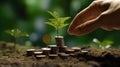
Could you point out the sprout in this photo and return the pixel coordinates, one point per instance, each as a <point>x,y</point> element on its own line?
<point>104,44</point>
<point>16,33</point>
<point>57,22</point>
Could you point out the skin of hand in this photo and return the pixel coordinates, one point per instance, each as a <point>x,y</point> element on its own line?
<point>103,14</point>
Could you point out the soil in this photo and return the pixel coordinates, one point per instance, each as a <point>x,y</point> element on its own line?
<point>105,58</point>
<point>87,57</point>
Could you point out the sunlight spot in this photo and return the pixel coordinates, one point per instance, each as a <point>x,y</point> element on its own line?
<point>46,39</point>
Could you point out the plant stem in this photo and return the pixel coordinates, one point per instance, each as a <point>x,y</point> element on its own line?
<point>15,42</point>
<point>57,32</point>
<point>57,29</point>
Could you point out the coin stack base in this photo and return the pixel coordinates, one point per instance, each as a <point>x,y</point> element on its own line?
<point>30,52</point>
<point>46,51</point>
<point>54,49</point>
<point>53,56</point>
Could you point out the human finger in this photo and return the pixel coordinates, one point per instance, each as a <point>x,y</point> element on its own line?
<point>89,13</point>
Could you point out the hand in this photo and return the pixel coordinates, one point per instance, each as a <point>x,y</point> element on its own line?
<point>103,14</point>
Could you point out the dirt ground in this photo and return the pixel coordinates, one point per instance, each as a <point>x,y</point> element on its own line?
<point>87,57</point>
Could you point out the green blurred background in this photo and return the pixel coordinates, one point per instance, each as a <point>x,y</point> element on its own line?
<point>30,16</point>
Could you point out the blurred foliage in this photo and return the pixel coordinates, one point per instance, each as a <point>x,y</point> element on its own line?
<point>17,33</point>
<point>104,44</point>
<point>30,16</point>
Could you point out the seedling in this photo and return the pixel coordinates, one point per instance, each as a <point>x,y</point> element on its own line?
<point>16,33</point>
<point>57,22</point>
<point>104,44</point>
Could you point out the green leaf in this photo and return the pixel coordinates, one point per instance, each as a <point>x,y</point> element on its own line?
<point>64,19</point>
<point>23,34</point>
<point>10,32</point>
<point>51,24</point>
<point>54,22</point>
<point>107,42</point>
<point>63,25</point>
<point>54,14</point>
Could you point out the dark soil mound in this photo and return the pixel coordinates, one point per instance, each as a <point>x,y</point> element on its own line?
<point>105,58</point>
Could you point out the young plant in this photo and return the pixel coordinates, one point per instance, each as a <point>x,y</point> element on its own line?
<point>104,44</point>
<point>57,22</point>
<point>16,33</point>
